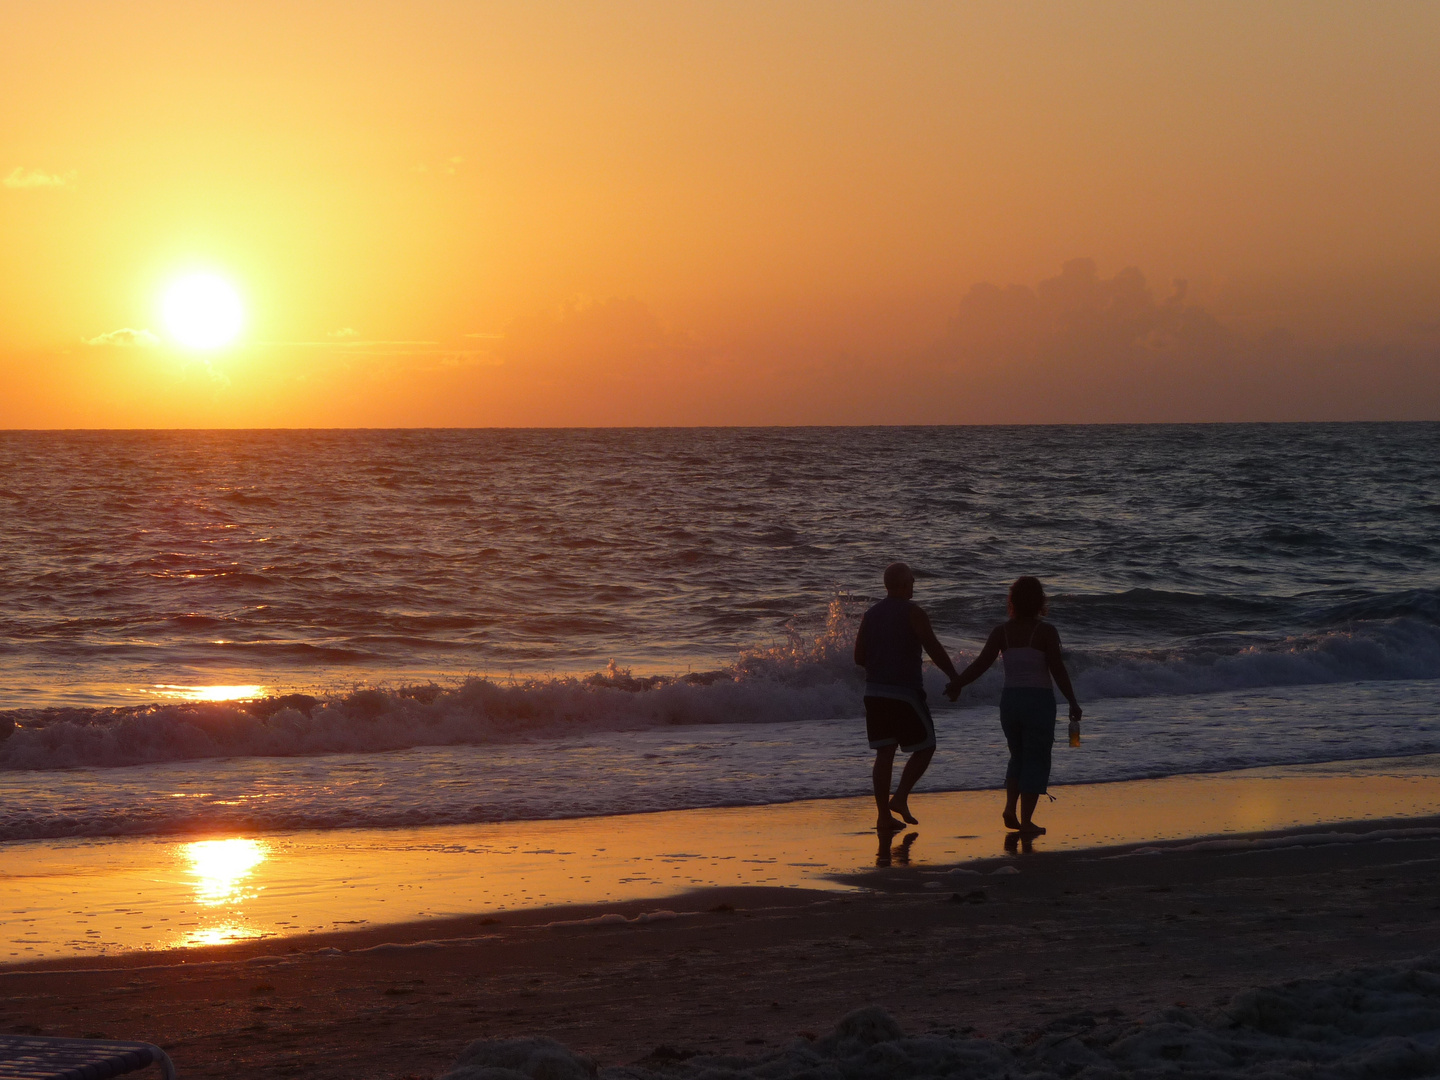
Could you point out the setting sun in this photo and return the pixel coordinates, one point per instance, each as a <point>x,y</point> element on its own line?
<point>203,311</point>
<point>784,538</point>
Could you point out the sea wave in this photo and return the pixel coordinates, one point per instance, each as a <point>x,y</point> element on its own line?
<point>805,677</point>
<point>1402,648</point>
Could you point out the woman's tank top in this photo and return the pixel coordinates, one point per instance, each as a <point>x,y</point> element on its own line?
<point>1025,665</point>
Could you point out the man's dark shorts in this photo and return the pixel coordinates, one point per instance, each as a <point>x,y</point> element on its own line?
<point>890,721</point>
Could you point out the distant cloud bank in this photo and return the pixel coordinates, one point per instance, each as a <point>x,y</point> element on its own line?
<point>1077,347</point>
<point>1082,347</point>
<point>20,177</point>
<point>1077,316</point>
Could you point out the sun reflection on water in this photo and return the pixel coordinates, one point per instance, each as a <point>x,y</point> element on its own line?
<point>239,692</point>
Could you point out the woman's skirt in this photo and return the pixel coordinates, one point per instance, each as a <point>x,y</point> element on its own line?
<point>1027,716</point>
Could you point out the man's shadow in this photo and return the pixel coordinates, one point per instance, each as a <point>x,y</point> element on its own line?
<point>894,854</point>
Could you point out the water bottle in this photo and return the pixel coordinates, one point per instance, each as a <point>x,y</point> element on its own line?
<point>1074,732</point>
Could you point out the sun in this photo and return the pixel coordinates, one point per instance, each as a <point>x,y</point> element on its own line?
<point>203,311</point>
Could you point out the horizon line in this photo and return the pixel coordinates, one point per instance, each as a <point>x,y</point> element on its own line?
<point>725,427</point>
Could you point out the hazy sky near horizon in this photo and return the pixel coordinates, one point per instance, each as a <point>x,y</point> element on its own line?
<point>446,213</point>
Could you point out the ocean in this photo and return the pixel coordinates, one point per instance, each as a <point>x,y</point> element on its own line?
<point>208,632</point>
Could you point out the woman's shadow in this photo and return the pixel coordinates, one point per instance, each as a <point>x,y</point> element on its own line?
<point>894,854</point>
<point>1018,841</point>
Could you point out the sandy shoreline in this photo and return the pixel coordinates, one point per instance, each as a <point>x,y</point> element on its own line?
<point>98,897</point>
<point>746,970</point>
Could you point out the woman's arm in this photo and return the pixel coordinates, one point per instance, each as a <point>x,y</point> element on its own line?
<point>981,663</point>
<point>1057,670</point>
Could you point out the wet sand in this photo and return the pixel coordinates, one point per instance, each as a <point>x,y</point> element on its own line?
<point>106,897</point>
<point>743,968</point>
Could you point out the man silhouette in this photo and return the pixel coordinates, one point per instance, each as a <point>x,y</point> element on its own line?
<point>888,646</point>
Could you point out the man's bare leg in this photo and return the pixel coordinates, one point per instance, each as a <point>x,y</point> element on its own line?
<point>884,763</point>
<point>1027,809</point>
<point>914,769</point>
<point>1012,795</point>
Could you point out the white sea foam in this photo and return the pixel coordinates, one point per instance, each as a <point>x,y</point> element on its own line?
<point>614,918</point>
<point>804,679</point>
<point>1374,1022</point>
<point>673,767</point>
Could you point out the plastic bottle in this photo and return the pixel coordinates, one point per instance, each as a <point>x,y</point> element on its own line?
<point>1074,732</point>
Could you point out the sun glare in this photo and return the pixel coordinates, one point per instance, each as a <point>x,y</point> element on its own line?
<point>220,867</point>
<point>245,692</point>
<point>203,311</point>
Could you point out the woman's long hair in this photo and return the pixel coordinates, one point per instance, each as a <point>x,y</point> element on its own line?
<point>1027,598</point>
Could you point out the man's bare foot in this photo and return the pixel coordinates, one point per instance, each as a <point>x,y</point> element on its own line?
<point>902,807</point>
<point>1029,828</point>
<point>1011,821</point>
<point>889,824</point>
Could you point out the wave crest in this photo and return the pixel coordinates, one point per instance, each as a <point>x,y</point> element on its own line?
<point>807,676</point>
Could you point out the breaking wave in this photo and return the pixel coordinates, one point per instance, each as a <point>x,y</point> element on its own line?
<point>805,677</point>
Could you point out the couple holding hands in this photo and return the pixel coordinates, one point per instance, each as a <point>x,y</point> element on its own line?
<point>892,635</point>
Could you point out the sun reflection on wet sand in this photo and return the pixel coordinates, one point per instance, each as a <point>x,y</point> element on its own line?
<point>220,868</point>
<point>220,872</point>
<point>223,934</point>
<point>70,898</point>
<point>237,692</point>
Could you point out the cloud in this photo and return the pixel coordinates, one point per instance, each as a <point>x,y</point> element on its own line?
<point>348,340</point>
<point>20,177</point>
<point>448,167</point>
<point>1077,317</point>
<point>588,340</point>
<point>1081,347</point>
<point>126,338</point>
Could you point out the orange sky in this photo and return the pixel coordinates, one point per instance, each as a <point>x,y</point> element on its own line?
<point>672,213</point>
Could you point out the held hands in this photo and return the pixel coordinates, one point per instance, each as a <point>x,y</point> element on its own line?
<point>952,690</point>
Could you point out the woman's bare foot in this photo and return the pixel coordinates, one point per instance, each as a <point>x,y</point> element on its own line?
<point>902,807</point>
<point>1011,821</point>
<point>1029,828</point>
<point>889,824</point>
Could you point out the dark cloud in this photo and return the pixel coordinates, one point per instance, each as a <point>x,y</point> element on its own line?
<point>1078,316</point>
<point>1079,347</point>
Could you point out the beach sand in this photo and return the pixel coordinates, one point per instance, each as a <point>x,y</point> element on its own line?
<point>1004,944</point>
<point>97,897</point>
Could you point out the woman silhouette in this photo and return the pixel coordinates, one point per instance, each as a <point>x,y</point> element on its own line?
<point>1031,649</point>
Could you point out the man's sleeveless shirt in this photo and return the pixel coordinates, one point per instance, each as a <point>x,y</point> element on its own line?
<point>892,650</point>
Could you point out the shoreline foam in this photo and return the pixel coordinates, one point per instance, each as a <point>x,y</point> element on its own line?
<point>697,766</point>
